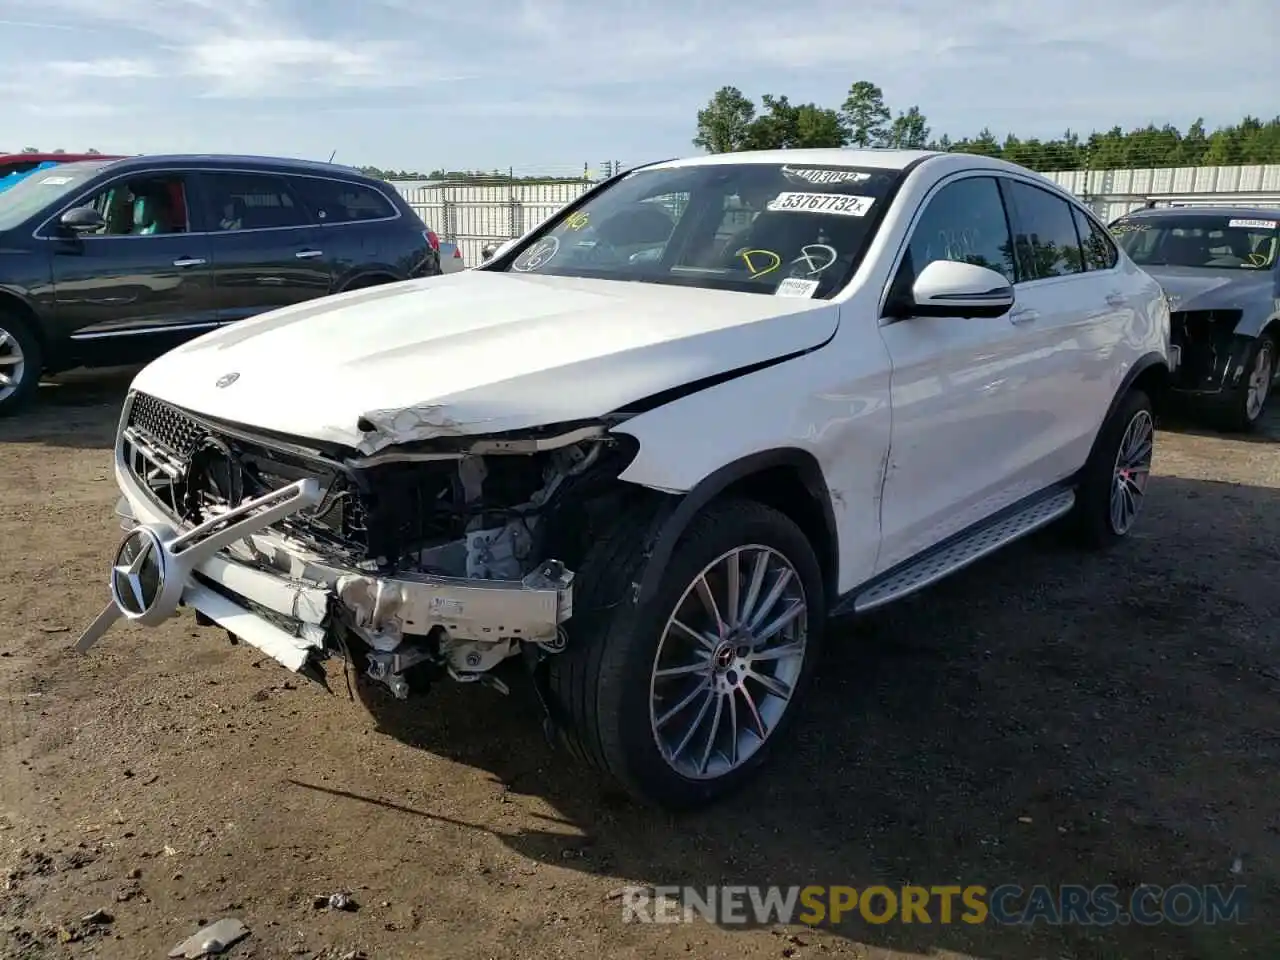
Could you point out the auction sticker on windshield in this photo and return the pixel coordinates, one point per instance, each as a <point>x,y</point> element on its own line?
<point>1254,224</point>
<point>825,176</point>
<point>846,205</point>
<point>796,287</point>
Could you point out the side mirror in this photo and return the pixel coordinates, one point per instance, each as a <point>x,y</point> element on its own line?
<point>82,220</point>
<point>946,288</point>
<point>495,249</point>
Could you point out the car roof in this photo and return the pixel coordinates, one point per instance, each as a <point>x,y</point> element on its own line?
<point>884,159</point>
<point>1243,213</point>
<point>941,162</point>
<point>873,158</point>
<point>234,162</point>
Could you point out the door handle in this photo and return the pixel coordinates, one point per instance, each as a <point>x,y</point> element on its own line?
<point>1115,300</point>
<point>1026,315</point>
<point>190,262</point>
<point>309,254</point>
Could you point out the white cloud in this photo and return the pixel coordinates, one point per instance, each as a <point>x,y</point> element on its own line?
<point>632,71</point>
<point>111,68</point>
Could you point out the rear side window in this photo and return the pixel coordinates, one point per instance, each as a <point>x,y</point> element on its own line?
<point>1099,251</point>
<point>1046,237</point>
<point>251,201</point>
<point>339,201</point>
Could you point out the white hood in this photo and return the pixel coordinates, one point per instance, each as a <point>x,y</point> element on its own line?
<point>473,353</point>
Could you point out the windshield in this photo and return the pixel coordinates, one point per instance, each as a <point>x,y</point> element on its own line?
<point>32,194</point>
<point>1200,240</point>
<point>759,228</point>
<point>13,174</point>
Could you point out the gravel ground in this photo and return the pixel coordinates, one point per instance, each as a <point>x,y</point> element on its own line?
<point>1044,717</point>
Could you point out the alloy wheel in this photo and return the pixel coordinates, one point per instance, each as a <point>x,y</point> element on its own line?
<point>728,662</point>
<point>1132,471</point>
<point>1259,382</point>
<point>13,364</point>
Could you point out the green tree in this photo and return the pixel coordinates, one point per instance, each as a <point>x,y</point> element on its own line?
<point>866,121</point>
<point>724,123</point>
<point>909,130</point>
<point>783,125</point>
<point>819,127</point>
<point>776,127</point>
<point>865,115</point>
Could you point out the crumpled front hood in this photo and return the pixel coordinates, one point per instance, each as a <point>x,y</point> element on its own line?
<point>1198,288</point>
<point>473,353</point>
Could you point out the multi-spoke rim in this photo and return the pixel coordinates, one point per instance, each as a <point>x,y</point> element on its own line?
<point>12,363</point>
<point>1132,471</point>
<point>728,662</point>
<point>1259,382</point>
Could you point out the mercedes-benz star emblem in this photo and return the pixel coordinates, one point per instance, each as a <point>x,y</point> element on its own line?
<point>137,577</point>
<point>226,380</point>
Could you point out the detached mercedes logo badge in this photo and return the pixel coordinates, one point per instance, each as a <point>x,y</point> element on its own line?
<point>226,380</point>
<point>137,576</point>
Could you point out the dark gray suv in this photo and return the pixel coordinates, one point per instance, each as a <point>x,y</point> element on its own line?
<point>108,262</point>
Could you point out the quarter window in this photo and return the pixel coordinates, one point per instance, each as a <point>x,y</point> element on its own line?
<point>250,201</point>
<point>334,201</point>
<point>965,222</point>
<point>1099,251</point>
<point>1047,242</point>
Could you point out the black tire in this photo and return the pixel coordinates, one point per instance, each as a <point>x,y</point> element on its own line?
<point>17,330</point>
<point>601,682</point>
<point>1232,412</point>
<point>1091,518</point>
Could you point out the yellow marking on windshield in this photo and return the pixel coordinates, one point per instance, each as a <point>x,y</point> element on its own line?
<point>774,262</point>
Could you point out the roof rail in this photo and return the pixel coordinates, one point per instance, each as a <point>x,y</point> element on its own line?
<point>1244,199</point>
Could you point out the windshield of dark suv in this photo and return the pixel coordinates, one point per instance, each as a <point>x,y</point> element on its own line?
<point>793,229</point>
<point>44,188</point>
<point>1200,240</point>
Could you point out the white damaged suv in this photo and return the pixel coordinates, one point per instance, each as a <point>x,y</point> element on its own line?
<point>648,448</point>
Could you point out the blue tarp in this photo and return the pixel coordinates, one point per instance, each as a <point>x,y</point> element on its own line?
<point>14,178</point>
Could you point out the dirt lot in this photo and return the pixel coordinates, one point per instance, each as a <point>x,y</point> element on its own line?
<point>1045,717</point>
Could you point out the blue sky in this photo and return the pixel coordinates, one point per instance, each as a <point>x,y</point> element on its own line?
<point>551,84</point>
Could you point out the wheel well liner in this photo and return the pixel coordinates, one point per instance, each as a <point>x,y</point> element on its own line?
<point>787,479</point>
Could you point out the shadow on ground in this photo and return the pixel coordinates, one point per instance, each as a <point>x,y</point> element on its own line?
<point>79,409</point>
<point>1045,717</point>
<point>1185,421</point>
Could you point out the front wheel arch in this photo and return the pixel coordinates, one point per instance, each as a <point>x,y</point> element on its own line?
<point>786,478</point>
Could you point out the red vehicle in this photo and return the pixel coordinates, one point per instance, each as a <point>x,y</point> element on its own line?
<point>17,166</point>
<point>22,162</point>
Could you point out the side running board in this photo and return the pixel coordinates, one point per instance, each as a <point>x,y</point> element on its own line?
<point>956,554</point>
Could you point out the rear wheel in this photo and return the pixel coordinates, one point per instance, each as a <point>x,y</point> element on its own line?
<point>20,363</point>
<point>684,697</point>
<point>1113,486</point>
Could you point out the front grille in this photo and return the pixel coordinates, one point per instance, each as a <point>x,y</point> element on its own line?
<point>1203,338</point>
<point>166,424</point>
<point>184,464</point>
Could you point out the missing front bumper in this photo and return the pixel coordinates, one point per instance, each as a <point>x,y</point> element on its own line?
<point>158,569</point>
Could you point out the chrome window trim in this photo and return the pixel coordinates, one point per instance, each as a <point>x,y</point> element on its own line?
<point>38,234</point>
